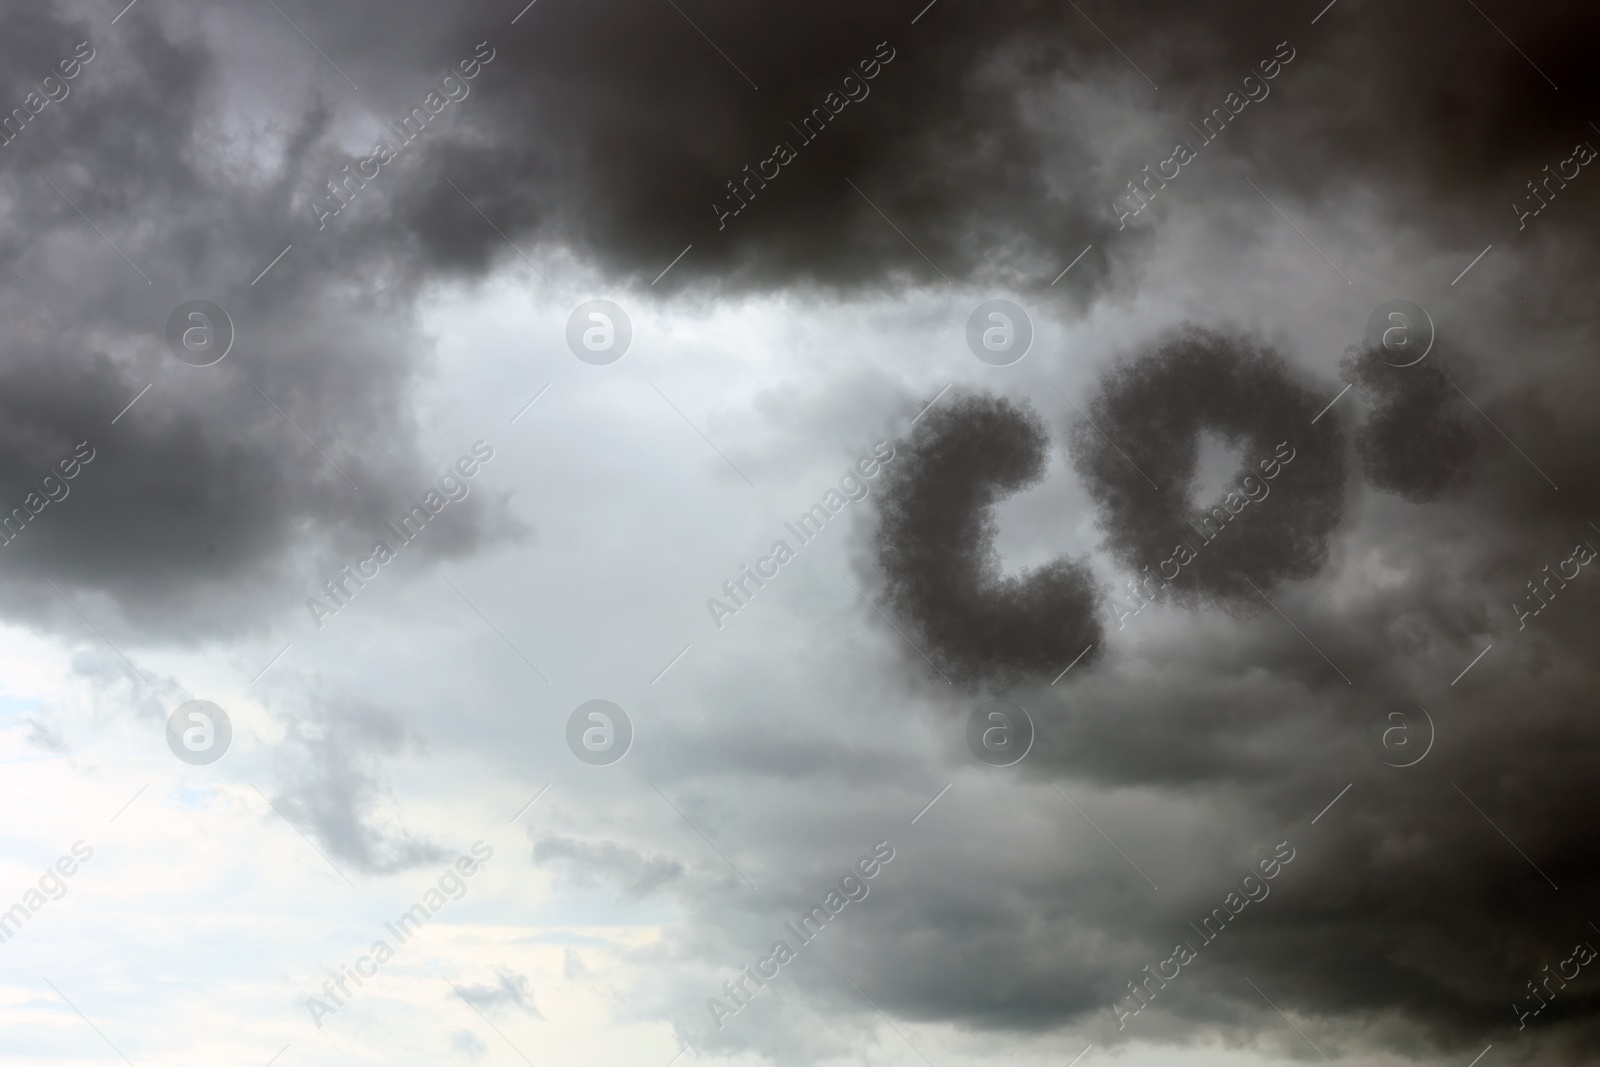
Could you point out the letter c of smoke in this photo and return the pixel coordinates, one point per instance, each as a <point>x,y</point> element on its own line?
<point>936,548</point>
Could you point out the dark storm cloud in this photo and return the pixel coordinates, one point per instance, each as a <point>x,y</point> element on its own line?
<point>1411,923</point>
<point>620,135</point>
<point>1456,110</point>
<point>936,548</point>
<point>213,482</point>
<point>1407,921</point>
<point>1250,714</point>
<point>611,135</point>
<point>1409,901</point>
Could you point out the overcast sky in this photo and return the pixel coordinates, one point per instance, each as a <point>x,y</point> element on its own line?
<point>1091,504</point>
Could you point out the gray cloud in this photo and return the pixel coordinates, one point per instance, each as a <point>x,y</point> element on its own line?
<point>468,1044</point>
<point>634,874</point>
<point>331,767</point>
<point>511,991</point>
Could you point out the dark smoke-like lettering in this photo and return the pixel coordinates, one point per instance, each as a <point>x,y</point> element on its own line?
<point>1273,524</point>
<point>1415,442</point>
<point>936,547</point>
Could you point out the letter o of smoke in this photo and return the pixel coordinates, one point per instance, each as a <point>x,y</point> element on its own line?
<point>1412,443</point>
<point>1154,409</point>
<point>935,545</point>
